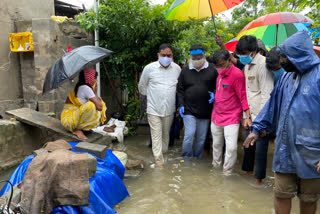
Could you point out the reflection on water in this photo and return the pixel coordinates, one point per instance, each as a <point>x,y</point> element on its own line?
<point>192,186</point>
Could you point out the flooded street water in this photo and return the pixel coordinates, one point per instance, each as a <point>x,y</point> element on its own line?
<point>192,187</point>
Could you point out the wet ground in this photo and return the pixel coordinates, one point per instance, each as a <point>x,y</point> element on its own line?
<point>192,187</point>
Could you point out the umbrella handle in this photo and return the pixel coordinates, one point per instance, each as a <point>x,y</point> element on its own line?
<point>214,23</point>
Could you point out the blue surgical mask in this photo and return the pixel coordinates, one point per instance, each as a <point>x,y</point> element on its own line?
<point>165,61</point>
<point>277,74</point>
<point>245,60</point>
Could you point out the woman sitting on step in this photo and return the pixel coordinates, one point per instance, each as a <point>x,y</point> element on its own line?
<point>83,109</point>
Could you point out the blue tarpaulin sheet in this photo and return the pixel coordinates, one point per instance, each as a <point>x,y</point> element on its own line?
<point>106,186</point>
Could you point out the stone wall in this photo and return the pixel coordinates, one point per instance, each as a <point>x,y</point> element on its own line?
<point>50,38</point>
<point>11,92</point>
<point>22,85</point>
<point>18,141</point>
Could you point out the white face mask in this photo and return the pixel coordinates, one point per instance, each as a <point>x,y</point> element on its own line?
<point>165,61</point>
<point>197,63</point>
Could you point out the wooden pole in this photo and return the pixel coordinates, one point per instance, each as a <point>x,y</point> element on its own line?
<point>114,90</point>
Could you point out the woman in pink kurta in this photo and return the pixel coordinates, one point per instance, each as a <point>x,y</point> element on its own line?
<point>229,105</point>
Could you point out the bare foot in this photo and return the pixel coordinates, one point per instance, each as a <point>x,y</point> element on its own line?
<point>108,129</point>
<point>159,164</point>
<point>80,134</point>
<point>250,173</point>
<point>258,182</point>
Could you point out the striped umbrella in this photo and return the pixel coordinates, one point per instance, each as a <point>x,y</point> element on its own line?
<point>275,28</point>
<point>231,45</point>
<point>184,10</point>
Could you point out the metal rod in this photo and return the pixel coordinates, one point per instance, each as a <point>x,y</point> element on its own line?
<point>96,43</point>
<point>276,35</point>
<point>212,16</point>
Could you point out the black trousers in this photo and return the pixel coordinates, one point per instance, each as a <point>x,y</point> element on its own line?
<point>256,154</point>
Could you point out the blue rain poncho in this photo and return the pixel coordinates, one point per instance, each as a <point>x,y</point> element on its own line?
<point>293,110</point>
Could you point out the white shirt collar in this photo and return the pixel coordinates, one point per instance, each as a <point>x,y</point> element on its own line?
<point>206,65</point>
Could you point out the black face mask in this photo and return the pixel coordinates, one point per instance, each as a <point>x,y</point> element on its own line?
<point>289,67</point>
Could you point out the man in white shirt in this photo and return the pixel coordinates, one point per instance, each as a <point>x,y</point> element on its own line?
<point>158,82</point>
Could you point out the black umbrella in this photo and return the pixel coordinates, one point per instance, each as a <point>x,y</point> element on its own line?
<point>71,63</point>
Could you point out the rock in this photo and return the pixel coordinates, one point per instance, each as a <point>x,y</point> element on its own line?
<point>134,164</point>
<point>98,150</point>
<point>92,161</point>
<point>39,151</point>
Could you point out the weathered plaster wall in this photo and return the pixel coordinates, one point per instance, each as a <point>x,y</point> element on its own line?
<point>50,39</point>
<point>10,81</point>
<point>11,92</point>
<point>19,140</point>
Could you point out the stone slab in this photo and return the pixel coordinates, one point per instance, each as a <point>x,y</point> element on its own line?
<point>41,120</point>
<point>92,165</point>
<point>104,140</point>
<point>134,164</point>
<point>39,151</point>
<point>98,150</point>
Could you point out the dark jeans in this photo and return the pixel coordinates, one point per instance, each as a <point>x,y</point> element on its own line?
<point>175,130</point>
<point>258,153</point>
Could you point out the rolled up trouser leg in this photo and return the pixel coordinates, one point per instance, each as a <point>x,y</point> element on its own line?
<point>231,137</point>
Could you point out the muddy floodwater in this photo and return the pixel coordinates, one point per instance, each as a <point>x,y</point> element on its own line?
<point>193,187</point>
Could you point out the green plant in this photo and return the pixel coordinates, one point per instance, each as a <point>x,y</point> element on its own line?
<point>134,30</point>
<point>133,113</point>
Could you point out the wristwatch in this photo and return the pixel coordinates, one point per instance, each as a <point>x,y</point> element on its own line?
<point>245,118</point>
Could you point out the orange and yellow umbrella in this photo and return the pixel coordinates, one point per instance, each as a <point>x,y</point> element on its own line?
<point>184,10</point>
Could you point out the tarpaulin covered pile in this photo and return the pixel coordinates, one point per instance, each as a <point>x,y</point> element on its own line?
<point>106,186</point>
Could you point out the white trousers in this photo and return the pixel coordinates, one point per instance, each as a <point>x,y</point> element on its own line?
<point>160,129</point>
<point>229,135</point>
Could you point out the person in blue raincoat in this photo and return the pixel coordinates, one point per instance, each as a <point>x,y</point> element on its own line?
<point>293,110</point>
<point>273,64</point>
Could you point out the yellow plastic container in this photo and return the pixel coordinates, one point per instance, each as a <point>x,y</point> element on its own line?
<point>21,42</point>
